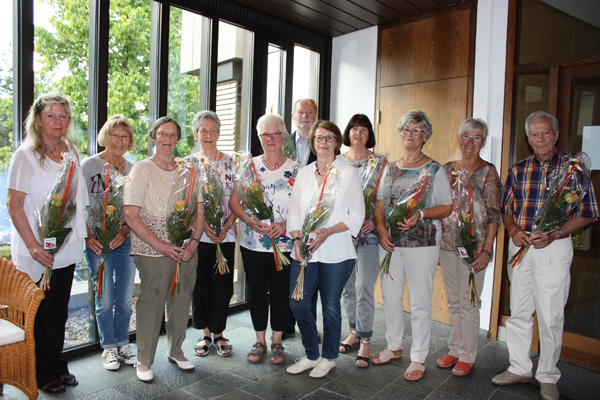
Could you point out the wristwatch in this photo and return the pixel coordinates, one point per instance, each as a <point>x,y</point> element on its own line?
<point>196,240</point>
<point>294,239</point>
<point>561,232</point>
<point>484,251</point>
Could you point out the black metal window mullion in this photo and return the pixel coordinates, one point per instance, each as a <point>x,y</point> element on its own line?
<point>23,46</point>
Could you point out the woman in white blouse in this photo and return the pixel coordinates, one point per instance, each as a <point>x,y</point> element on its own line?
<point>333,252</point>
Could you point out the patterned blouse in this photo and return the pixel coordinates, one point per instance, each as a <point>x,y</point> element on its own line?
<point>486,190</point>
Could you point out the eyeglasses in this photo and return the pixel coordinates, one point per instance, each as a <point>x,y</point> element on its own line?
<point>124,138</point>
<point>171,135</point>
<point>272,135</point>
<point>329,139</point>
<point>204,131</point>
<point>415,131</point>
<point>466,137</point>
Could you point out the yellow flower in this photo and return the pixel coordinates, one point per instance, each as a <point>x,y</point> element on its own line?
<point>412,203</point>
<point>465,217</point>
<point>368,193</point>
<point>180,205</point>
<point>57,200</point>
<point>110,210</point>
<point>316,213</point>
<point>572,197</point>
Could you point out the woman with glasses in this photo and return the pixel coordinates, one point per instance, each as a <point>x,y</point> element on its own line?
<point>482,182</point>
<point>146,210</point>
<point>265,283</point>
<point>113,308</point>
<point>359,292</point>
<point>415,254</point>
<point>333,255</point>
<point>213,291</point>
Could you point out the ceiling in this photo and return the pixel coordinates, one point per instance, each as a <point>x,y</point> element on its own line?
<point>337,17</point>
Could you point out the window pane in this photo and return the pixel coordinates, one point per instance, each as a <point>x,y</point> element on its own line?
<point>61,63</point>
<point>275,80</point>
<point>129,69</point>
<point>6,122</point>
<point>306,75</point>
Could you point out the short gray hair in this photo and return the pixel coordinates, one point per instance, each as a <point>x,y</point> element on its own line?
<point>202,116</point>
<point>473,124</point>
<point>162,121</point>
<point>418,117</point>
<point>306,99</point>
<point>271,119</point>
<point>541,114</point>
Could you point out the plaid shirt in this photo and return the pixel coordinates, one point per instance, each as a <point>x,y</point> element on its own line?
<point>523,192</point>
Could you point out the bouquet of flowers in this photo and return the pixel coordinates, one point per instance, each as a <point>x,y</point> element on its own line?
<point>57,211</point>
<point>565,190</point>
<point>413,195</point>
<point>214,196</point>
<point>369,179</point>
<point>319,210</point>
<point>184,203</point>
<point>255,203</point>
<point>468,246</point>
<point>288,149</point>
<point>106,223</point>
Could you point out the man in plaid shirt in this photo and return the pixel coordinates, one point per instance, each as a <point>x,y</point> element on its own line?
<point>541,283</point>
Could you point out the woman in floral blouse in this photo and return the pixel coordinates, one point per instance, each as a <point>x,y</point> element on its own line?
<point>480,183</point>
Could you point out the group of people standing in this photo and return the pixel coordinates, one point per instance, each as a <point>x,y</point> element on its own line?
<point>344,254</point>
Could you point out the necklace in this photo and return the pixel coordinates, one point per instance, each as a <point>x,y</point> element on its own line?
<point>317,167</point>
<point>272,167</point>
<point>411,162</point>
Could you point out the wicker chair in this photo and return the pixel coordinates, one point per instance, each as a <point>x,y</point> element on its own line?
<point>19,302</point>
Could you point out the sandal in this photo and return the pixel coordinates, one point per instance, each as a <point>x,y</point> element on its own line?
<point>345,348</point>
<point>277,352</point>
<point>221,349</point>
<point>205,349</point>
<point>413,367</point>
<point>447,361</point>
<point>54,388</point>
<point>70,380</point>
<point>256,353</point>
<point>385,357</point>
<point>363,362</point>
<point>462,366</point>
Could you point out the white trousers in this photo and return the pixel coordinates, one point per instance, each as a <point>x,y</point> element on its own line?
<point>541,283</point>
<point>463,316</point>
<point>418,266</point>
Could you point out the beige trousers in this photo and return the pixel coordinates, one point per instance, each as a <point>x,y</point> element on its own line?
<point>156,276</point>
<point>463,316</point>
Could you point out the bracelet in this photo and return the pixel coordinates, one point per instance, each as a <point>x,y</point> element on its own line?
<point>197,241</point>
<point>294,239</point>
<point>421,211</point>
<point>484,251</point>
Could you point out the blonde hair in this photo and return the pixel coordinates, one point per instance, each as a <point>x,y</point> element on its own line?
<point>34,132</point>
<point>116,121</point>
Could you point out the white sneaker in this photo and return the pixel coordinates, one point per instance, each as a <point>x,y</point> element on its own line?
<point>322,369</point>
<point>110,360</point>
<point>302,364</point>
<point>126,354</point>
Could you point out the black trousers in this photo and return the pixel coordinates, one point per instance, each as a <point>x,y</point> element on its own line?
<point>263,280</point>
<point>213,291</point>
<point>49,327</point>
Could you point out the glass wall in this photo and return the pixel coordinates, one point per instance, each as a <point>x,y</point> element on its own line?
<point>306,76</point>
<point>275,80</point>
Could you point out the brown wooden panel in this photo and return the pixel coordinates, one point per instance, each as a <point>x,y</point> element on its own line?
<point>581,350</point>
<point>430,49</point>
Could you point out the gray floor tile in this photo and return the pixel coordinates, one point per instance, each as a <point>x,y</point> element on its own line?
<point>476,386</point>
<point>437,395</point>
<point>239,395</point>
<point>322,394</point>
<point>216,385</point>
<point>179,394</point>
<point>362,383</point>
<point>282,385</point>
<point>517,391</point>
<point>396,393</point>
<point>106,394</point>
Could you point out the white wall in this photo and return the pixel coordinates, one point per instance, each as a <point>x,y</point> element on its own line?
<point>353,79</point>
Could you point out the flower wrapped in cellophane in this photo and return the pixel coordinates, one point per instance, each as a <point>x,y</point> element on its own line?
<point>370,178</point>
<point>287,149</point>
<point>319,210</point>
<point>214,197</point>
<point>252,198</point>
<point>565,190</point>
<point>57,211</point>
<point>412,197</point>
<point>468,247</point>
<point>107,220</point>
<point>183,203</point>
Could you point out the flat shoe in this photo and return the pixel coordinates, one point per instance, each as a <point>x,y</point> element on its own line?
<point>221,349</point>
<point>144,376</point>
<point>385,357</point>
<point>464,367</point>
<point>415,366</point>
<point>54,388</point>
<point>205,349</point>
<point>258,350</point>
<point>184,365</point>
<point>509,378</point>
<point>70,380</point>
<point>447,361</point>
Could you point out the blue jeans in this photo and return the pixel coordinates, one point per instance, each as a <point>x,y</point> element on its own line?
<point>113,309</point>
<point>330,280</point>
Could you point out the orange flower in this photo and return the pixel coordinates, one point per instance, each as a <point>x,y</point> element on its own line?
<point>180,205</point>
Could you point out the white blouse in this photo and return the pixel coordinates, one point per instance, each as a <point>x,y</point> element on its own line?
<point>349,208</point>
<point>26,175</point>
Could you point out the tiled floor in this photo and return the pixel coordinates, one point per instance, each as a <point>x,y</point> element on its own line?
<point>235,378</point>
